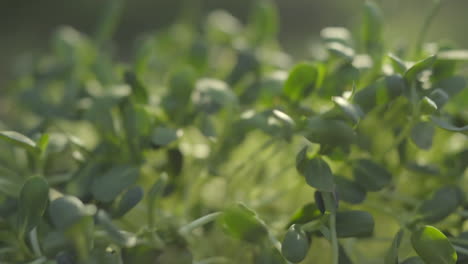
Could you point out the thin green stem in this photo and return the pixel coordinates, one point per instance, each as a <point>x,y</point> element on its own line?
<point>404,134</point>
<point>330,206</point>
<point>312,226</point>
<point>109,22</point>
<point>185,230</point>
<point>334,239</point>
<point>425,28</point>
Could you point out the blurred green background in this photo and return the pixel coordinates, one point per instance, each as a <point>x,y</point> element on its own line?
<point>26,25</point>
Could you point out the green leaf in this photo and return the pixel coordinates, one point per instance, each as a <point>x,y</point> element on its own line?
<point>295,244</point>
<point>108,186</point>
<point>334,133</point>
<point>392,254</point>
<point>242,223</point>
<point>413,260</point>
<point>210,95</point>
<point>317,174</point>
<point>398,64</point>
<point>439,97</point>
<point>349,191</point>
<point>452,86</point>
<point>418,67</point>
<point>372,27</point>
<point>354,224</point>
<point>264,22</point>
<point>33,201</point>
<point>380,92</point>
<point>353,111</point>
<point>301,81</point>
<point>448,126</point>
<point>422,134</point>
<point>340,50</point>
<point>443,203</point>
<point>163,136</point>
<point>129,200</point>
<point>305,214</point>
<point>19,140</point>
<point>433,246</point>
<point>43,142</point>
<point>370,175</point>
<point>68,210</point>
<point>427,106</point>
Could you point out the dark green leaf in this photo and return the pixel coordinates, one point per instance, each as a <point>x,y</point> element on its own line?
<point>422,134</point>
<point>108,186</point>
<point>448,126</point>
<point>452,86</point>
<point>67,210</point>
<point>443,203</point>
<point>329,132</point>
<point>242,223</point>
<point>392,253</point>
<point>129,200</point>
<point>439,97</point>
<point>433,246</point>
<point>370,175</point>
<point>420,66</point>
<point>295,244</point>
<point>33,201</point>
<point>318,198</point>
<point>354,224</point>
<point>19,140</point>
<point>349,191</point>
<point>301,81</point>
<point>163,136</point>
<point>353,111</point>
<point>317,174</point>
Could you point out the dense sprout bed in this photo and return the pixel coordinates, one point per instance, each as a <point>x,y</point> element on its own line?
<point>213,146</point>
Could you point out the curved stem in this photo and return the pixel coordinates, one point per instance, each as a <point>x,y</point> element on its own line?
<point>185,230</point>
<point>425,28</point>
